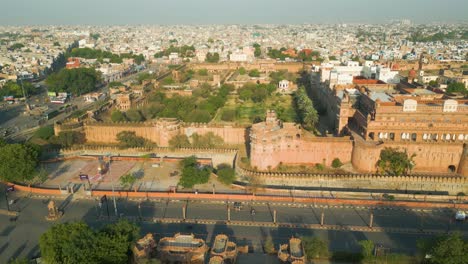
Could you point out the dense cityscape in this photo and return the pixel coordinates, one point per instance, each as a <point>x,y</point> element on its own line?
<point>240,143</point>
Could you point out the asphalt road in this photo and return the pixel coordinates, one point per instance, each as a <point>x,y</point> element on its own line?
<point>20,238</point>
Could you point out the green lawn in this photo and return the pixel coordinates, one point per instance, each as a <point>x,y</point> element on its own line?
<point>247,111</point>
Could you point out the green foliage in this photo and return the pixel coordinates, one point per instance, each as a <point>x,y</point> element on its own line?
<point>134,115</point>
<point>208,140</point>
<point>229,115</point>
<point>44,132</point>
<point>95,36</point>
<point>305,109</point>
<point>254,73</point>
<point>319,166</point>
<point>395,162</point>
<point>144,76</point>
<point>118,116</point>
<point>127,180</point>
<point>188,109</point>
<point>128,139</point>
<point>226,174</point>
<point>76,81</point>
<point>457,87</point>
<point>242,71</point>
<point>332,57</point>
<point>16,46</point>
<point>446,249</point>
<point>278,54</point>
<point>258,50</point>
<point>78,243</point>
<point>315,247</point>
<point>180,141</point>
<point>203,72</point>
<point>367,248</point>
<point>100,55</point>
<point>192,173</point>
<point>433,83</point>
<point>419,36</point>
<point>312,56</point>
<point>19,261</point>
<point>255,92</point>
<point>277,76</point>
<point>18,162</point>
<point>14,88</point>
<point>183,51</point>
<point>56,44</point>
<point>336,163</point>
<point>115,84</point>
<point>212,57</point>
<point>269,246</point>
<point>67,139</point>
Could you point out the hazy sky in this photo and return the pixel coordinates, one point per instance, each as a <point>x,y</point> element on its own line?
<point>97,12</point>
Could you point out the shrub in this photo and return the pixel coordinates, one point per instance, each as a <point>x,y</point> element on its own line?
<point>336,163</point>
<point>226,174</point>
<point>229,115</point>
<point>45,132</point>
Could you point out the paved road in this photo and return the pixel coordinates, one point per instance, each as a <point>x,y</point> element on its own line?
<point>20,238</point>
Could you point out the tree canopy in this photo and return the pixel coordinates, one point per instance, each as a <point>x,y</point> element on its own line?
<point>192,173</point>
<point>183,51</point>
<point>212,57</point>
<point>305,109</point>
<point>14,89</point>
<point>128,139</point>
<point>18,162</point>
<point>457,87</point>
<point>395,162</point>
<point>76,81</point>
<point>447,249</point>
<point>315,247</point>
<point>100,55</point>
<point>226,174</point>
<point>77,243</point>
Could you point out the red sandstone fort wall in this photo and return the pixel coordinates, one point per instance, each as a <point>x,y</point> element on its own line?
<point>429,157</point>
<point>108,133</point>
<point>318,150</point>
<point>231,135</point>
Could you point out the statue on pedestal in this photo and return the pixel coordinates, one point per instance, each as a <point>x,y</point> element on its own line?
<point>54,213</point>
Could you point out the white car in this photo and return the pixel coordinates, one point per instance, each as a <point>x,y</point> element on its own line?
<point>460,216</point>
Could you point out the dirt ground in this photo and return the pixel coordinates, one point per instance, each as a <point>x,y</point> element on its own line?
<point>149,176</point>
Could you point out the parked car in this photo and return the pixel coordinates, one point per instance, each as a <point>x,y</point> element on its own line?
<point>237,206</point>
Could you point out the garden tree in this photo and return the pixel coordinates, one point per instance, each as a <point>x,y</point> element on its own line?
<point>16,46</point>
<point>183,51</point>
<point>118,116</point>
<point>204,91</point>
<point>19,261</point>
<point>18,162</point>
<point>15,89</point>
<point>128,139</point>
<point>305,109</point>
<point>255,92</point>
<point>78,243</point>
<point>395,162</point>
<point>199,116</point>
<point>192,173</point>
<point>242,71</point>
<point>100,55</point>
<point>203,72</point>
<point>67,139</point>
<point>208,140</point>
<point>127,180</point>
<point>144,76</point>
<point>433,83</point>
<point>134,115</point>
<point>68,243</point>
<point>315,248</point>
<point>115,84</point>
<point>45,132</point>
<point>269,246</point>
<point>229,115</point>
<point>278,54</point>
<point>336,163</point>
<point>446,249</point>
<point>257,51</point>
<point>277,76</point>
<point>332,57</point>
<point>180,141</point>
<point>367,248</point>
<point>212,57</point>
<point>76,81</point>
<point>254,73</point>
<point>226,174</point>
<point>457,87</point>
